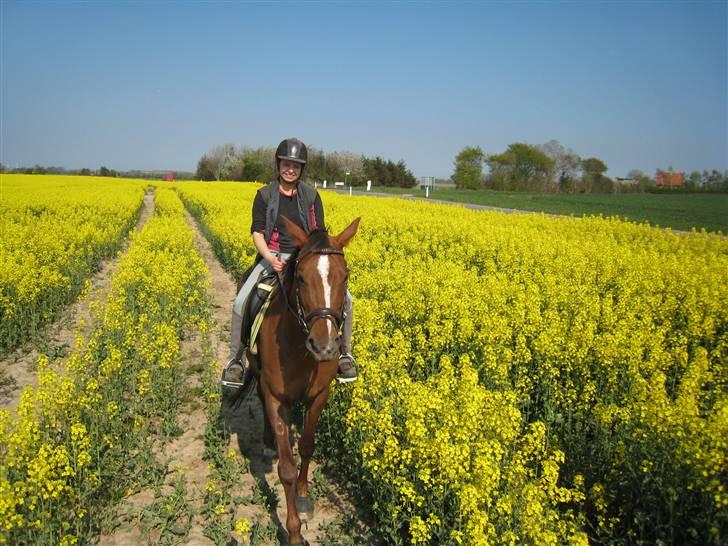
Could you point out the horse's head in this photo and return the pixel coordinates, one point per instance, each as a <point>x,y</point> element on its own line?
<point>319,277</point>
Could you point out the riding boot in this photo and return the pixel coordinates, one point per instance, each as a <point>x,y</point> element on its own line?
<point>236,334</point>
<point>347,364</point>
<point>234,372</point>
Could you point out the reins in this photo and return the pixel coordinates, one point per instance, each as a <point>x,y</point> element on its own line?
<point>306,320</point>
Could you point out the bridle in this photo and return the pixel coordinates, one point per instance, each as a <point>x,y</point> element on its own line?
<point>306,320</point>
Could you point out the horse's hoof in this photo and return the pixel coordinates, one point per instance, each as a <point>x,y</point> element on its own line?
<point>304,543</point>
<point>304,507</point>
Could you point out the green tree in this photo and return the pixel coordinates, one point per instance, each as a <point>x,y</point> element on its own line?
<point>692,182</point>
<point>316,166</point>
<point>252,170</point>
<point>594,170</point>
<point>204,169</point>
<point>469,168</point>
<point>593,165</point>
<point>522,167</point>
<point>387,173</point>
<point>259,164</point>
<point>404,176</point>
<point>105,171</point>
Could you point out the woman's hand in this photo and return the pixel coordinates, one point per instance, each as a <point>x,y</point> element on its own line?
<point>277,264</point>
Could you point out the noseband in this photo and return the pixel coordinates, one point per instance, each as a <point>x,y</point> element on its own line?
<point>306,320</point>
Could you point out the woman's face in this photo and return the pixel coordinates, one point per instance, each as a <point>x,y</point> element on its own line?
<point>290,171</point>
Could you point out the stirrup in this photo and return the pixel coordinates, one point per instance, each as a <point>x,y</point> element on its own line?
<point>234,384</point>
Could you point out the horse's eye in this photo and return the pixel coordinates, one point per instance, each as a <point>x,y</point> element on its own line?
<point>300,280</point>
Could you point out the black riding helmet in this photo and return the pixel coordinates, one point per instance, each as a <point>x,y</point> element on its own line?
<point>292,149</point>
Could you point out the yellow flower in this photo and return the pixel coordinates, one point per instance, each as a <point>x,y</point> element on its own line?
<point>242,529</point>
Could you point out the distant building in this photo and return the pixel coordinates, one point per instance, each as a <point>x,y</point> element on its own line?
<point>169,177</point>
<point>669,179</point>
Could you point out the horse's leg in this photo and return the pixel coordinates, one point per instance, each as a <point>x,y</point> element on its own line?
<point>269,443</point>
<point>279,421</point>
<point>305,448</point>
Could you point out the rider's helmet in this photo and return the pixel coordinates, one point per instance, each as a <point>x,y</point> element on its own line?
<point>292,149</point>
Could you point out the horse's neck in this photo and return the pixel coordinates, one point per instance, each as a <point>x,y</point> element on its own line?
<point>285,306</point>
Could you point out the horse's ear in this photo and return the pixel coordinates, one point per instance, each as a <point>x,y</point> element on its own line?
<point>345,236</point>
<point>296,233</point>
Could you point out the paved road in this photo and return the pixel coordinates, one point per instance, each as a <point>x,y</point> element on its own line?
<point>472,206</point>
<point>477,207</point>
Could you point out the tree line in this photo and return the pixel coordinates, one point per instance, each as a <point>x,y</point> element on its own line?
<point>548,167</point>
<point>39,169</point>
<point>551,167</point>
<point>101,171</point>
<point>228,162</point>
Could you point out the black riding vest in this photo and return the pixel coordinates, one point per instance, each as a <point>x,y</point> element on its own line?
<point>271,197</point>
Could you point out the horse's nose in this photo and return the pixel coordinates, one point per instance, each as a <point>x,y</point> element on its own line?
<point>322,349</point>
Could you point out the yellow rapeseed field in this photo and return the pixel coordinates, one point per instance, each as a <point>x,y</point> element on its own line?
<point>82,437</point>
<point>55,231</point>
<point>524,379</point>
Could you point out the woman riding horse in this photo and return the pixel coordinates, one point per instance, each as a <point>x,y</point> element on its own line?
<point>286,196</point>
<point>305,338</point>
<point>297,360</point>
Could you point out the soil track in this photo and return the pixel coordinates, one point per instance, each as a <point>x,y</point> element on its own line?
<point>58,339</point>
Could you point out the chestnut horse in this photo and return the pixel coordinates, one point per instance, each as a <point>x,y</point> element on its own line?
<point>298,353</point>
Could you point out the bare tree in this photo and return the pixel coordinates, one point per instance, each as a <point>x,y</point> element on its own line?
<point>567,164</point>
<point>218,157</point>
<point>348,162</point>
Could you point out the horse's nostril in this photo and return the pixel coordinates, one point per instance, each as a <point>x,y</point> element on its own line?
<point>324,349</point>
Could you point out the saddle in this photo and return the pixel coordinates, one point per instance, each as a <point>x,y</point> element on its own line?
<point>255,308</point>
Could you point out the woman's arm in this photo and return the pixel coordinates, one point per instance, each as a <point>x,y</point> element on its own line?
<point>259,241</point>
<point>257,228</point>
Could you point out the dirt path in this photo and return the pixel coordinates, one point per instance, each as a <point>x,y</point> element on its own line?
<point>58,339</point>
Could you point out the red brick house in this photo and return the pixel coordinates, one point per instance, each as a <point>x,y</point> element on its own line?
<point>669,179</point>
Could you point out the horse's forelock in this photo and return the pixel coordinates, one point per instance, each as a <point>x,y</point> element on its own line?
<point>318,238</point>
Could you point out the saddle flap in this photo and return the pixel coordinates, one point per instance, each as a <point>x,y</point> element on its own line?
<point>256,307</point>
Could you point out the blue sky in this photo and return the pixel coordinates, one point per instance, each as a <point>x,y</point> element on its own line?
<point>154,85</point>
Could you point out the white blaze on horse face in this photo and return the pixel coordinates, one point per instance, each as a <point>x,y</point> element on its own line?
<point>323,269</point>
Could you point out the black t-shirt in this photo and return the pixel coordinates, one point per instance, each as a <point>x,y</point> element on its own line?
<point>288,207</point>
